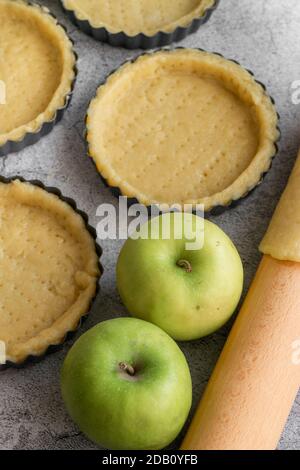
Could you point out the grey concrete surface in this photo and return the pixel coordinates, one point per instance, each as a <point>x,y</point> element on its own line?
<point>264,35</point>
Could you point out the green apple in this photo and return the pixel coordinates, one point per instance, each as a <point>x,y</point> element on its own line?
<point>127,385</point>
<point>189,293</point>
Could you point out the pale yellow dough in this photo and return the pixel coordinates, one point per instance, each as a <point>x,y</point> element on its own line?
<point>48,269</point>
<point>138,16</point>
<point>36,65</point>
<point>282,240</point>
<point>182,127</point>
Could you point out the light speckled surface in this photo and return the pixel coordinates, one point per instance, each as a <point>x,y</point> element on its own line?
<point>264,35</point>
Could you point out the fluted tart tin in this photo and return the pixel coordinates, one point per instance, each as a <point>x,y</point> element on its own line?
<point>56,251</point>
<point>201,130</point>
<point>38,74</point>
<point>171,32</point>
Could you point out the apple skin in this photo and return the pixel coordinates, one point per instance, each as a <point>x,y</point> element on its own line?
<point>114,409</point>
<point>187,305</point>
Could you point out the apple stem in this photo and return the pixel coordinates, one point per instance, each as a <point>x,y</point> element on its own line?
<point>127,368</point>
<point>183,263</point>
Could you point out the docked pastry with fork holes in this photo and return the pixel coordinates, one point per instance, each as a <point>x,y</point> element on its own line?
<point>49,270</point>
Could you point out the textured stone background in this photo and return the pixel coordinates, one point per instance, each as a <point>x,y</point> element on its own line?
<point>264,35</point>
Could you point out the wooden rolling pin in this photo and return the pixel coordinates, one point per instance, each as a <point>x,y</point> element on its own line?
<point>256,380</point>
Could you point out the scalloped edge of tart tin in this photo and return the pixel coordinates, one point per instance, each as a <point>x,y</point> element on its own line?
<point>140,41</point>
<point>32,359</point>
<point>218,209</point>
<point>31,138</point>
